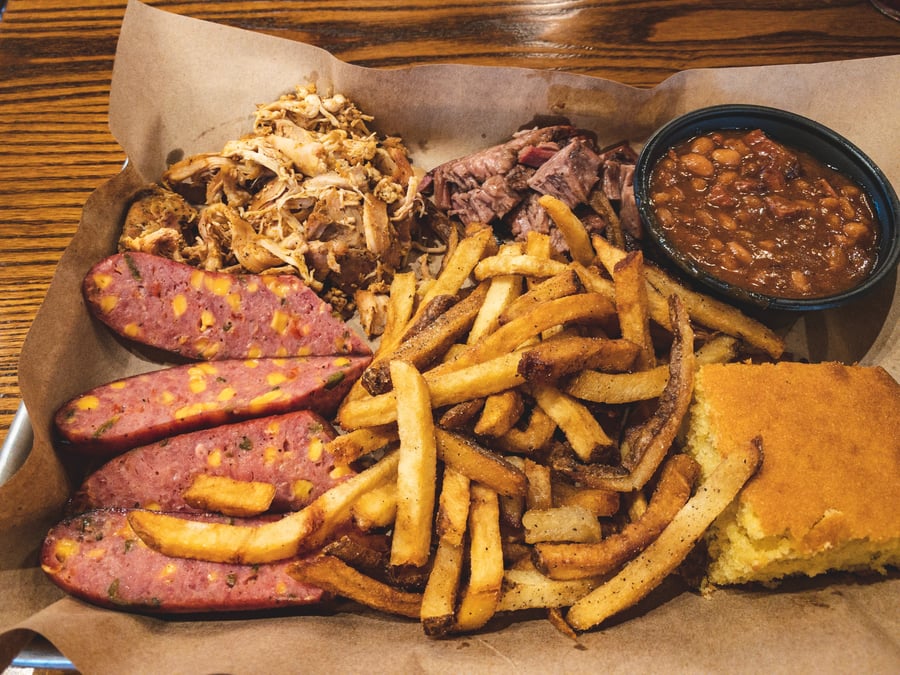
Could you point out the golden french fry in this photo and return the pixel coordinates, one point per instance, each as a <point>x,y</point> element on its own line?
<point>579,425</point>
<point>553,288</point>
<point>597,501</point>
<point>580,561</point>
<point>607,254</point>
<point>438,611</point>
<point>571,227</point>
<point>529,589</point>
<point>538,244</point>
<point>645,446</point>
<point>401,301</point>
<point>376,508</point>
<point>666,553</point>
<point>429,344</point>
<point>476,381</point>
<point>417,468</point>
<point>534,437</point>
<point>303,530</point>
<point>479,464</point>
<point>593,282</point>
<point>459,265</point>
<point>616,388</point>
<point>563,355</point>
<point>480,596</point>
<point>335,576</point>
<point>587,308</point>
<point>360,550</point>
<point>525,265</point>
<point>632,306</point>
<point>718,315</point>
<point>220,494</point>
<point>349,447</point>
<point>503,291</point>
<point>461,415</point>
<point>561,523</point>
<point>501,412</point>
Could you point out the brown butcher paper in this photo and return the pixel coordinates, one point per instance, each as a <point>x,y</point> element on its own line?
<point>182,86</point>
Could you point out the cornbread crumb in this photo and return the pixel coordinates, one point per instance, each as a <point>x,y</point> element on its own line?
<point>826,495</point>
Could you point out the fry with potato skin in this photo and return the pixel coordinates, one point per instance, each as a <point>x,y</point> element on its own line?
<point>500,413</point>
<point>479,464</point>
<point>446,388</point>
<point>632,306</point>
<point>717,315</point>
<point>588,308</point>
<point>555,287</point>
<point>645,572</point>
<point>429,344</point>
<point>571,227</point>
<point>438,611</point>
<point>579,425</point>
<point>580,561</point>
<point>558,357</point>
<point>334,575</point>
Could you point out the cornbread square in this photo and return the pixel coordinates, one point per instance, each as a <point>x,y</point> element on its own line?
<point>827,495</point>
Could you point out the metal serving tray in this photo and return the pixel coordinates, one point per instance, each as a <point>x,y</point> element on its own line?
<point>38,653</point>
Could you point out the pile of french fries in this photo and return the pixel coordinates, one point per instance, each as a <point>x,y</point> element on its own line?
<point>497,469</point>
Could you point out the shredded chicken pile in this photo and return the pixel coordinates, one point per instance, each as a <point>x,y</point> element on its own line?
<point>311,191</point>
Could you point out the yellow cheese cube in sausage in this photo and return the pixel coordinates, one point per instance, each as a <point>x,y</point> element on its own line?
<point>132,330</point>
<point>316,448</point>
<point>279,322</point>
<point>234,302</point>
<point>214,459</point>
<point>102,281</point>
<point>88,403</point>
<point>339,471</point>
<point>270,454</point>
<point>275,379</point>
<point>179,305</point>
<point>219,285</point>
<point>226,394</point>
<point>301,489</point>
<point>108,303</point>
<point>65,548</point>
<point>196,280</point>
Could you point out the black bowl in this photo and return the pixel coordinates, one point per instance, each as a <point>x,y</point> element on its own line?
<point>794,131</point>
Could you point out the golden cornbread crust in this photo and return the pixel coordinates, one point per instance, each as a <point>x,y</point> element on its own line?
<point>826,496</point>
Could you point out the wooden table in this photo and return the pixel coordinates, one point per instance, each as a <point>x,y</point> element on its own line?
<point>56,60</point>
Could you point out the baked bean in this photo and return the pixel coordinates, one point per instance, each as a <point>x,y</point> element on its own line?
<point>726,157</point>
<point>763,216</point>
<point>703,145</point>
<point>697,164</point>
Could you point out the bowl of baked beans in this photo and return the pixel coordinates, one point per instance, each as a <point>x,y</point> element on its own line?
<point>767,207</point>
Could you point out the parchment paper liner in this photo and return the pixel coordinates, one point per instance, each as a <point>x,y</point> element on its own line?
<point>182,86</point>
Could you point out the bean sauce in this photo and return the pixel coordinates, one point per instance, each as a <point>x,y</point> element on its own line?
<point>764,217</point>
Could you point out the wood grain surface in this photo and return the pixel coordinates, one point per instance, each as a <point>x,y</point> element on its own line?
<point>56,59</point>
